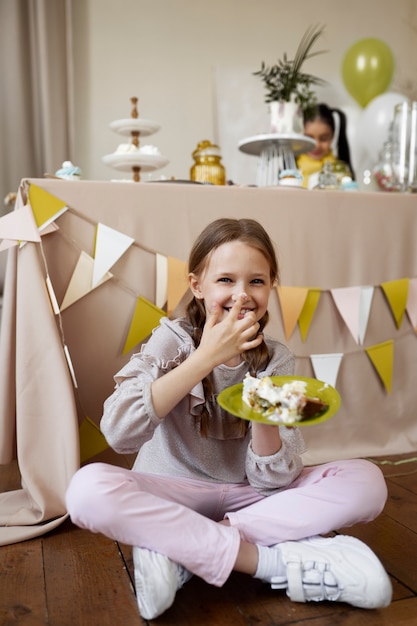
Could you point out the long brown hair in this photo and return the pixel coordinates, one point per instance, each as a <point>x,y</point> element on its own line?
<point>216,234</point>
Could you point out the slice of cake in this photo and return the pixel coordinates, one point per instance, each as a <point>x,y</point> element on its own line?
<point>288,403</point>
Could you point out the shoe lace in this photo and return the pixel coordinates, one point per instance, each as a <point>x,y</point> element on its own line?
<point>308,581</point>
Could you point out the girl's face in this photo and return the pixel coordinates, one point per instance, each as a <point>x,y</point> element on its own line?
<point>322,135</point>
<point>232,269</point>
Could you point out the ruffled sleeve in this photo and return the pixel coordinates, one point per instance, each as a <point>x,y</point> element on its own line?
<point>129,419</point>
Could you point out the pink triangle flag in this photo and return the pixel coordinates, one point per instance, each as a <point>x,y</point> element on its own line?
<point>347,300</point>
<point>19,225</point>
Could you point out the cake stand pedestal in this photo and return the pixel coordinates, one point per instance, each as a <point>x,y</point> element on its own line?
<point>276,152</point>
<point>133,160</point>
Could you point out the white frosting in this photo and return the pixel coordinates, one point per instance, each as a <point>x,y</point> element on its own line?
<point>281,404</point>
<point>126,148</point>
<point>130,148</point>
<point>148,149</point>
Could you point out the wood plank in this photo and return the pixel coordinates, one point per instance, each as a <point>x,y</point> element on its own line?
<point>71,577</point>
<point>85,577</point>
<point>395,545</point>
<point>402,505</point>
<point>22,597</point>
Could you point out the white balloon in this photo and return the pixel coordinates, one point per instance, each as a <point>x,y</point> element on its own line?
<point>375,120</point>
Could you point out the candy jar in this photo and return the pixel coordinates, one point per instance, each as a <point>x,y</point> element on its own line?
<point>384,170</point>
<point>327,178</point>
<point>207,167</point>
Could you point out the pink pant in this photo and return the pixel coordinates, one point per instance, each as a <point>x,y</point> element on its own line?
<point>178,516</point>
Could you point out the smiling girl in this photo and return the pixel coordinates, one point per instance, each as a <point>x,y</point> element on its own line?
<point>210,493</point>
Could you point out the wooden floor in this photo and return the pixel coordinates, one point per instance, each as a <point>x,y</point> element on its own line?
<point>71,577</point>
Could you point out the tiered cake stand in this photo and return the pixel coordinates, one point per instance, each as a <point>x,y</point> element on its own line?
<point>276,152</point>
<point>135,161</point>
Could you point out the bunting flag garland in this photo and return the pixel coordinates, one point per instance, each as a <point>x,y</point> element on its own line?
<point>46,207</point>
<point>81,280</point>
<point>19,225</point>
<point>92,440</point>
<point>110,245</point>
<point>326,367</point>
<point>292,300</point>
<point>145,318</point>
<point>412,302</point>
<point>396,292</point>
<point>382,358</point>
<point>298,304</point>
<point>307,312</point>
<point>161,280</point>
<point>177,282</point>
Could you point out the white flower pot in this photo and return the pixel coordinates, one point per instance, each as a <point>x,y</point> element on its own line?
<point>286,118</point>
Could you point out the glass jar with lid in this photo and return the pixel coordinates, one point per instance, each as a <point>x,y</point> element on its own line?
<point>207,167</point>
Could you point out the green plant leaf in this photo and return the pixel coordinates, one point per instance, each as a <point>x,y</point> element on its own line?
<point>285,79</point>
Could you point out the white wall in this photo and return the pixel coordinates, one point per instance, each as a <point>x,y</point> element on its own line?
<point>189,60</point>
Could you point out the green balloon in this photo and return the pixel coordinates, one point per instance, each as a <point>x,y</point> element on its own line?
<point>367,69</point>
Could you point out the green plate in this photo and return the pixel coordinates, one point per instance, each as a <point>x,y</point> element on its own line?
<point>231,400</point>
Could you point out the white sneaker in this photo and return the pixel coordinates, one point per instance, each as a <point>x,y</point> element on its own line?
<point>340,568</point>
<point>157,580</point>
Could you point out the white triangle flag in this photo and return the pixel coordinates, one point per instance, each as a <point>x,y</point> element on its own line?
<point>326,366</point>
<point>5,244</point>
<point>19,225</point>
<point>110,246</point>
<point>347,300</point>
<point>161,280</point>
<point>365,302</point>
<point>412,302</point>
<point>80,283</point>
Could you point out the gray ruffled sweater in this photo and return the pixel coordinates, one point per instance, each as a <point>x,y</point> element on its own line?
<point>173,445</point>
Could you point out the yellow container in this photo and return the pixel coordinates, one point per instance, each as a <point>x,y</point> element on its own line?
<point>207,167</point>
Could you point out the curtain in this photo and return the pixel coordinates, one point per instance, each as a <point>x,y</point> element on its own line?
<point>36,104</point>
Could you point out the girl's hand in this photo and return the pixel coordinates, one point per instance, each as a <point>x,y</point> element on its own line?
<point>232,335</point>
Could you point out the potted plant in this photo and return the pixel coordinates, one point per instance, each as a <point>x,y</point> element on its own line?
<point>289,91</point>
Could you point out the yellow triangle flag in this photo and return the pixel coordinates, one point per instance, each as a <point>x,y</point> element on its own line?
<point>292,300</point>
<point>307,312</point>
<point>382,357</point>
<point>45,206</point>
<point>396,292</point>
<point>145,318</point>
<point>177,282</point>
<point>92,440</point>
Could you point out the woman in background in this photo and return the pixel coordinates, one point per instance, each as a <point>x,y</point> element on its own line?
<point>328,129</point>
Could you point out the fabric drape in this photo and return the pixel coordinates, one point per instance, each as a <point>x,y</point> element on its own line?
<point>36,106</point>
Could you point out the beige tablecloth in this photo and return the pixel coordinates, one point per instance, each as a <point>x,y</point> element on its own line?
<point>325,240</point>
